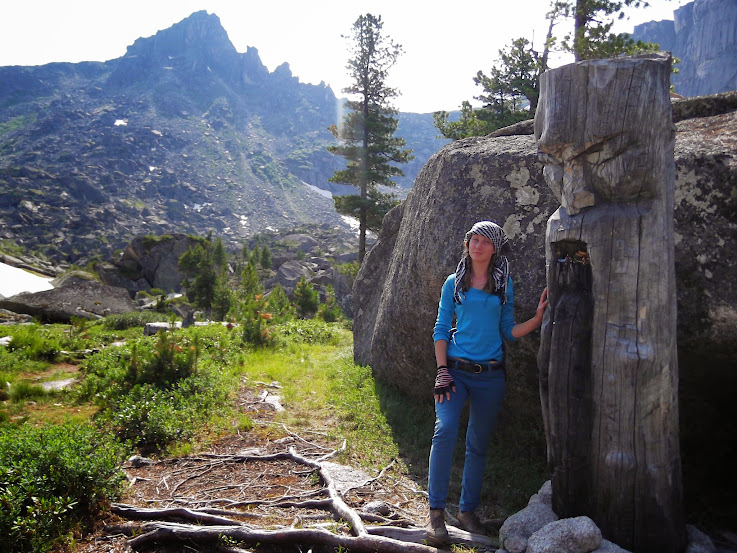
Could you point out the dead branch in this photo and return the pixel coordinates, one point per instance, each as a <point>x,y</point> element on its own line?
<point>370,480</point>
<point>271,385</point>
<point>169,532</point>
<point>197,517</point>
<point>339,507</point>
<point>192,477</point>
<point>296,436</point>
<point>332,453</point>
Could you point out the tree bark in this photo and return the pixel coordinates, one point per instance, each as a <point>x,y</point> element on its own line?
<point>607,359</point>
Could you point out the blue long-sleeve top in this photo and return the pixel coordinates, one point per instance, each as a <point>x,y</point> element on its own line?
<point>481,322</point>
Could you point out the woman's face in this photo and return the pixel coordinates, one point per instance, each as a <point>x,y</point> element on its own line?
<point>480,248</point>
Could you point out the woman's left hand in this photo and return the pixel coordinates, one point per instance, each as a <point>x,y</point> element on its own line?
<point>523,329</point>
<point>542,304</point>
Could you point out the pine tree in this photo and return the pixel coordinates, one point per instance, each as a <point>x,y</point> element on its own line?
<point>329,311</point>
<point>220,257</point>
<point>197,263</point>
<point>511,89</point>
<point>306,298</point>
<point>249,281</point>
<point>592,23</point>
<point>279,304</point>
<point>366,134</point>
<point>255,258</point>
<point>265,258</point>
<point>222,297</point>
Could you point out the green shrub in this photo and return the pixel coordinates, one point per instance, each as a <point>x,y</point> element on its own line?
<point>34,342</point>
<point>330,311</point>
<point>172,359</point>
<point>152,418</point>
<point>151,240</point>
<point>157,391</point>
<point>308,331</point>
<point>306,298</point>
<point>5,381</point>
<point>23,390</point>
<point>349,269</point>
<point>255,320</point>
<point>11,362</point>
<point>52,479</point>
<point>131,319</point>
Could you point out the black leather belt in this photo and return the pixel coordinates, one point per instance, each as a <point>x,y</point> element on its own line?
<point>468,366</point>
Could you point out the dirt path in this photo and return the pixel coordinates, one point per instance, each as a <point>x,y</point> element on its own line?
<point>251,479</point>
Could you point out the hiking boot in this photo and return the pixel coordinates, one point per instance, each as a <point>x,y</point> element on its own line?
<point>435,531</point>
<point>471,523</point>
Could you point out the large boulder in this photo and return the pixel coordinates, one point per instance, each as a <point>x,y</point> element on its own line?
<point>397,289</point>
<point>369,286</point>
<point>500,178</point>
<point>300,241</point>
<point>148,262</point>
<point>75,294</point>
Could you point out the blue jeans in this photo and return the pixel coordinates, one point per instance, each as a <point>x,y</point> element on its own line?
<point>486,393</point>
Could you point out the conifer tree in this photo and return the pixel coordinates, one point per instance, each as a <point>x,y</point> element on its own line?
<point>219,256</point>
<point>265,258</point>
<point>249,281</point>
<point>366,134</point>
<point>207,282</point>
<point>222,297</point>
<point>279,304</point>
<point>198,266</point>
<point>592,24</point>
<point>306,298</point>
<point>511,89</point>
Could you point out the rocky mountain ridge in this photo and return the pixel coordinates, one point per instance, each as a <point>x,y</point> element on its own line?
<point>703,35</point>
<point>181,134</point>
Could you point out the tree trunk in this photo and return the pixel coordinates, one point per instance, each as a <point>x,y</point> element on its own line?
<point>363,215</point>
<point>608,365</point>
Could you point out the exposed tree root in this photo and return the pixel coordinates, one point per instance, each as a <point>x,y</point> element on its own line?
<point>166,532</point>
<point>195,522</point>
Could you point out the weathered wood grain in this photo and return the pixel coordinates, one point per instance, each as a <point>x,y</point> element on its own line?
<point>608,364</point>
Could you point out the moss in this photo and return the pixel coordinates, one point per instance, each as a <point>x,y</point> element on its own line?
<point>151,240</point>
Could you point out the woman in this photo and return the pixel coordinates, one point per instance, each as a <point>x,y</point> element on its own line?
<point>470,365</point>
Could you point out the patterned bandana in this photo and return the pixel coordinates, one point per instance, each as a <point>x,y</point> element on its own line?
<point>500,270</point>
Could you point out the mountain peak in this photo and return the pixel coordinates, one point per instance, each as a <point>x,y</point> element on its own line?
<point>197,44</point>
<point>200,31</point>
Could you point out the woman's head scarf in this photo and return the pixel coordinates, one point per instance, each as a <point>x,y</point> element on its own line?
<point>500,268</point>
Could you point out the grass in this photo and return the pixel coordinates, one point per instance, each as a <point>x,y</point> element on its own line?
<point>321,387</point>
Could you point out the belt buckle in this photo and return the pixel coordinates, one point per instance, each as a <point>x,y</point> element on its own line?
<point>478,368</point>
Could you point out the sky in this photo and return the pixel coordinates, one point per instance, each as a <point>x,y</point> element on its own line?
<point>444,43</point>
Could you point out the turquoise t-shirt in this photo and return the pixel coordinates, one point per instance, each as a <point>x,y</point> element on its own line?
<point>481,322</point>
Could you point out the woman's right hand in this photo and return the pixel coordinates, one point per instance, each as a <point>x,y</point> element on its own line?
<point>444,384</point>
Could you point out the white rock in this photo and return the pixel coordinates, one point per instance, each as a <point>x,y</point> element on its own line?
<point>516,530</point>
<point>572,535</point>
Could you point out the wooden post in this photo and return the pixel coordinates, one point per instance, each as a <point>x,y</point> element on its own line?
<point>607,360</point>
